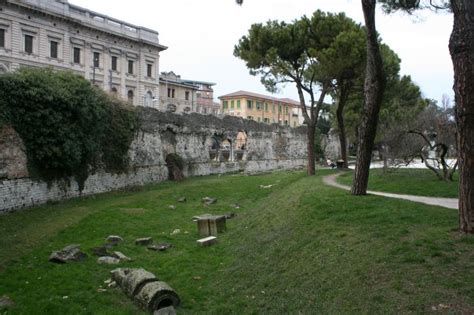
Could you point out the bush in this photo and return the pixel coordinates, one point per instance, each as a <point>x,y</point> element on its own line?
<point>68,126</point>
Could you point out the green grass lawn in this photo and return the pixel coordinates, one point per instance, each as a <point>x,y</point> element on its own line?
<point>297,247</point>
<point>419,182</point>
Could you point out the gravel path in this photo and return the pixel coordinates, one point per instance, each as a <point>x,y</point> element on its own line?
<point>451,203</point>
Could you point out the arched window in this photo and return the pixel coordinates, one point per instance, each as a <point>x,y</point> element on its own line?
<point>148,99</point>
<point>241,141</point>
<point>226,150</point>
<point>214,149</point>
<point>130,96</point>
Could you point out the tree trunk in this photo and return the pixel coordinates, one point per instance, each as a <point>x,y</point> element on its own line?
<point>373,92</point>
<point>342,136</point>
<point>311,157</point>
<point>340,124</point>
<point>385,157</point>
<point>461,47</point>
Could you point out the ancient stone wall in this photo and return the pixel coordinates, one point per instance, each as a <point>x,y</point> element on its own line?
<point>207,144</point>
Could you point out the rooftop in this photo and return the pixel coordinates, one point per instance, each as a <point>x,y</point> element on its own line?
<point>265,97</point>
<point>199,82</point>
<point>174,79</point>
<point>88,18</point>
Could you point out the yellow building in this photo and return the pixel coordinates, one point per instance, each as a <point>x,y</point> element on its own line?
<point>262,108</point>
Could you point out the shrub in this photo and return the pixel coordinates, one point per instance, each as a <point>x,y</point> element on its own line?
<point>68,126</point>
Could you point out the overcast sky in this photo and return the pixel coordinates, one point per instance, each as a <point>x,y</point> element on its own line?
<point>201,34</point>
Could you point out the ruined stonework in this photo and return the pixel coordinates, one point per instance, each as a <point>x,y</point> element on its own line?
<point>331,145</point>
<point>207,144</point>
<point>12,154</point>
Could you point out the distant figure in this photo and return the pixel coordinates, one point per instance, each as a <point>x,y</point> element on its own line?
<point>331,163</point>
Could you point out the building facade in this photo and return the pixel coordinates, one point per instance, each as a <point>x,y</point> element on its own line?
<point>205,98</point>
<point>186,96</point>
<point>120,57</point>
<point>262,108</point>
<point>176,95</point>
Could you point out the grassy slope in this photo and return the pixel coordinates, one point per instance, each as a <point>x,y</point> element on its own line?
<point>417,182</point>
<point>297,246</point>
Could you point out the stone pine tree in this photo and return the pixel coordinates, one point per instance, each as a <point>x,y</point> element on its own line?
<point>350,81</point>
<point>374,86</point>
<point>279,53</point>
<point>346,60</point>
<point>306,53</point>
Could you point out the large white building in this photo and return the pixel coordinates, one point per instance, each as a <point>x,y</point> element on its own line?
<point>121,58</point>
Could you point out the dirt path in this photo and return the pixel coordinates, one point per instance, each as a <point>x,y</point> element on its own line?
<point>451,203</point>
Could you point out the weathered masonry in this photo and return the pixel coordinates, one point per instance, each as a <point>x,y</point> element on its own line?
<point>120,57</point>
<point>207,144</point>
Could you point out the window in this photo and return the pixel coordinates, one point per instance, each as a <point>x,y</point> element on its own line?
<point>53,49</point>
<point>130,96</point>
<point>232,104</point>
<point>169,92</point>
<point>149,70</point>
<point>286,109</point>
<point>250,117</point>
<point>186,95</point>
<point>96,60</point>
<point>224,105</point>
<point>280,108</point>
<point>172,93</point>
<point>266,120</point>
<point>29,44</point>
<point>249,104</point>
<point>286,122</point>
<point>2,38</point>
<point>238,104</point>
<point>258,105</point>
<point>149,99</point>
<point>114,63</point>
<point>130,67</point>
<point>77,55</point>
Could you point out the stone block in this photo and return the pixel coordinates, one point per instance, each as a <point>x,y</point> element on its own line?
<point>210,224</point>
<point>121,256</point>
<point>68,253</point>
<point>159,247</point>
<point>100,251</point>
<point>135,280</point>
<point>207,241</point>
<point>156,295</point>
<point>108,260</point>
<point>143,241</point>
<point>114,239</point>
